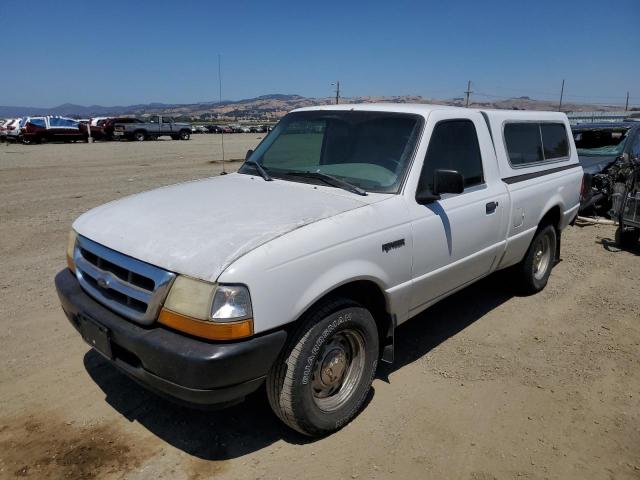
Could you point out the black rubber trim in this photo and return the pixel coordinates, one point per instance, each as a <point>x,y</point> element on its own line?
<point>192,369</point>
<point>541,173</point>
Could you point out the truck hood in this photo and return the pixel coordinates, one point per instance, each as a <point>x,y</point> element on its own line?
<point>199,228</point>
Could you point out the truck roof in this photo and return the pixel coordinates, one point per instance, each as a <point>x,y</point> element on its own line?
<point>424,109</point>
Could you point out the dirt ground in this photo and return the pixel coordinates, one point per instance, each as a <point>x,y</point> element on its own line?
<point>486,384</point>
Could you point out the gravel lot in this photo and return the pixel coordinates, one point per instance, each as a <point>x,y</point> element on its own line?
<point>487,384</point>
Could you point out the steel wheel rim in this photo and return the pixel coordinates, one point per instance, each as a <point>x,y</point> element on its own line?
<point>338,370</point>
<point>541,257</point>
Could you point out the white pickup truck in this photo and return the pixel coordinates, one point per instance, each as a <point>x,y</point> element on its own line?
<point>345,222</point>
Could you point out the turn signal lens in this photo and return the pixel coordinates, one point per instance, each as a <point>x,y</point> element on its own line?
<point>71,245</point>
<point>206,329</point>
<point>231,303</point>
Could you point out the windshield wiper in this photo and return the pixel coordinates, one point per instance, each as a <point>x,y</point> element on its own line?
<point>330,180</point>
<point>261,170</point>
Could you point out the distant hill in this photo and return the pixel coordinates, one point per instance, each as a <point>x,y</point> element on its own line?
<point>271,107</point>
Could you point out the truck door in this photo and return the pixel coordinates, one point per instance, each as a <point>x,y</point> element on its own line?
<point>166,125</point>
<point>457,238</point>
<point>154,124</point>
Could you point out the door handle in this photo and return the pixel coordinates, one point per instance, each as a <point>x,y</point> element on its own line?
<point>491,207</point>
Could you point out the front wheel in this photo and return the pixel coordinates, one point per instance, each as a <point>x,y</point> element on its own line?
<point>536,267</point>
<point>323,376</point>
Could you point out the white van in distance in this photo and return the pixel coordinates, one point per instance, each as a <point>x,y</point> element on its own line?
<point>345,222</point>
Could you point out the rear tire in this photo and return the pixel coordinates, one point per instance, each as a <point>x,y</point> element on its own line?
<point>627,237</point>
<point>534,270</point>
<point>139,136</point>
<point>322,377</point>
<point>185,135</point>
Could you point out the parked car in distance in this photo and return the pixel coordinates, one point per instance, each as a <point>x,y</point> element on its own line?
<point>51,128</point>
<point>257,129</point>
<point>201,129</point>
<point>220,129</point>
<point>12,128</point>
<point>599,146</point>
<point>152,128</point>
<point>295,271</point>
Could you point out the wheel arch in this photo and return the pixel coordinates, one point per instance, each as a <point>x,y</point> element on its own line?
<point>367,292</point>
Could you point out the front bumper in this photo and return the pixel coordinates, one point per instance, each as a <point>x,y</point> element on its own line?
<point>188,369</point>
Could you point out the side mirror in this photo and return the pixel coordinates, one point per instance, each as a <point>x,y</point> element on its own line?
<point>447,181</point>
<point>424,197</point>
<point>249,152</point>
<point>444,181</point>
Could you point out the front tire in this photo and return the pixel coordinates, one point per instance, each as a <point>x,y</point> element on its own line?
<point>323,376</point>
<point>535,268</point>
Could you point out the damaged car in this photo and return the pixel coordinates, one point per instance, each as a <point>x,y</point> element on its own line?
<point>599,147</point>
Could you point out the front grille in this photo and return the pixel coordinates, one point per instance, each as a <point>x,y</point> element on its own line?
<point>130,287</point>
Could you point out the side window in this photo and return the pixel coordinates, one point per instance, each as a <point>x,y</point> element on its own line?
<point>38,122</point>
<point>532,142</point>
<point>167,120</point>
<point>453,146</point>
<point>523,143</point>
<point>154,119</point>
<point>554,140</point>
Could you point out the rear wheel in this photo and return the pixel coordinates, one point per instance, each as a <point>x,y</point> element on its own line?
<point>323,376</point>
<point>627,237</point>
<point>139,136</point>
<point>536,267</point>
<point>185,135</point>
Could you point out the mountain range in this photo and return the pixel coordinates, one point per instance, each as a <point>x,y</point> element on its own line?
<point>272,107</point>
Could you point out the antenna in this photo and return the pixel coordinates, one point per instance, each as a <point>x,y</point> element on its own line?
<point>220,103</point>
<point>561,95</point>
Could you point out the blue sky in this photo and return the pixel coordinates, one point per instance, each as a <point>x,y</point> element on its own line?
<point>118,52</point>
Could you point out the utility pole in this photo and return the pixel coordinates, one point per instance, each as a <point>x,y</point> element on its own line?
<point>626,105</point>
<point>337,84</point>
<point>561,95</point>
<point>468,93</point>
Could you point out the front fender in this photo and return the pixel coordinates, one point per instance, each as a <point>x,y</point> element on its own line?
<point>289,274</point>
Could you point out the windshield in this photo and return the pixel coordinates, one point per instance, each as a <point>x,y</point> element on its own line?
<point>601,142</point>
<point>370,150</point>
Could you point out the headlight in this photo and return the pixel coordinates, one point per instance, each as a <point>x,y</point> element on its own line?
<point>203,309</point>
<point>71,245</point>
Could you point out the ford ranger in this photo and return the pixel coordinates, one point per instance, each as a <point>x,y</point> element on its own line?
<point>294,272</point>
